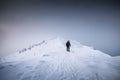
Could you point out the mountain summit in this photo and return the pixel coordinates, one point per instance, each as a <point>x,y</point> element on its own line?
<point>49,60</point>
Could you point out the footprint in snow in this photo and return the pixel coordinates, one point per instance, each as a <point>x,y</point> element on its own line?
<point>45,55</point>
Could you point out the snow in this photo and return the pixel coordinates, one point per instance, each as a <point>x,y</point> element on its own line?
<point>49,60</point>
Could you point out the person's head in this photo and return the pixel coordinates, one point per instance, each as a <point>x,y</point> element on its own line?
<point>68,41</point>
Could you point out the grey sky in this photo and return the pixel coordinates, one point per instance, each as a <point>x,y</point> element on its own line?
<point>95,24</point>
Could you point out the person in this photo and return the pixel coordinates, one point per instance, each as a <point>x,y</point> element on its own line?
<point>68,45</point>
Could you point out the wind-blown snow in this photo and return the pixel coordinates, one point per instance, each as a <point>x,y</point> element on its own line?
<point>49,60</point>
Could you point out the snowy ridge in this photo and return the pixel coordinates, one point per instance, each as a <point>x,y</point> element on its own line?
<point>50,61</point>
<point>48,46</point>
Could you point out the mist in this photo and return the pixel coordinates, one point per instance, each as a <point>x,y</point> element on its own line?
<point>92,23</point>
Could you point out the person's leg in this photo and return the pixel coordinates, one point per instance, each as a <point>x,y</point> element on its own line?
<point>69,49</point>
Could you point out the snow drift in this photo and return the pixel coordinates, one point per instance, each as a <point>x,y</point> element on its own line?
<point>49,60</point>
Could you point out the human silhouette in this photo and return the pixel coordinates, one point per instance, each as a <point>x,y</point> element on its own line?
<point>68,45</point>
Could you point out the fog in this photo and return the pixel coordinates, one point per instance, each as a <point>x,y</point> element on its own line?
<point>23,23</point>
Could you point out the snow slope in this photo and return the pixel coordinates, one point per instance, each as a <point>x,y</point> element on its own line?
<point>49,60</point>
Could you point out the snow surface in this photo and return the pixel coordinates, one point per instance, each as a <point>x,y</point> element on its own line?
<point>49,60</point>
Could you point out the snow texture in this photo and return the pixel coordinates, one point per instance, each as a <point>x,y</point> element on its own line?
<point>49,60</point>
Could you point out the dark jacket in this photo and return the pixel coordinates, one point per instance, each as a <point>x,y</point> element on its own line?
<point>68,44</point>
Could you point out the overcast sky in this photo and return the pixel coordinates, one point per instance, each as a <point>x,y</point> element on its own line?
<point>92,23</point>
